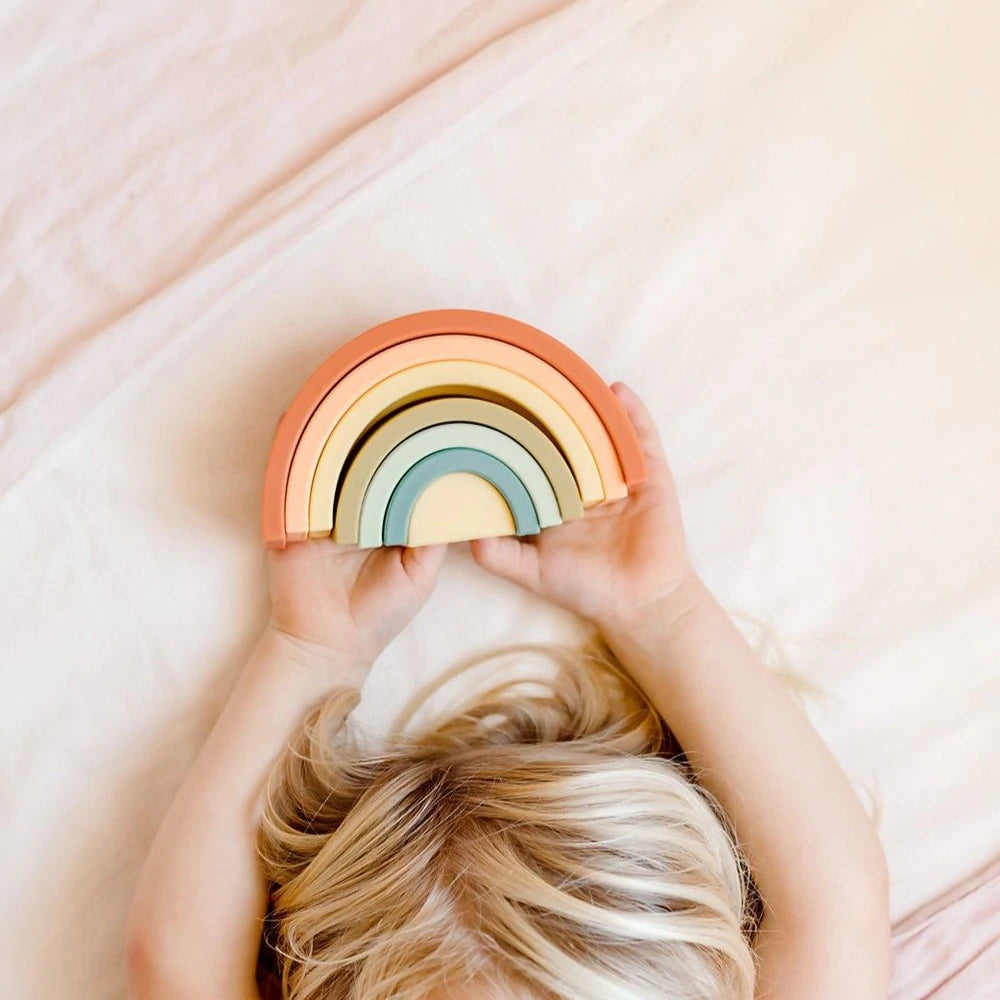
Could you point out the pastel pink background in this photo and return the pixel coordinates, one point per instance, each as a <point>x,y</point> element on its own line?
<point>780,222</point>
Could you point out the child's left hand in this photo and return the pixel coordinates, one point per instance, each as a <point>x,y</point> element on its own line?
<point>348,602</point>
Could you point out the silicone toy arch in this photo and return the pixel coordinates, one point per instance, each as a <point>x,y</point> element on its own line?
<point>450,410</point>
<point>466,408</point>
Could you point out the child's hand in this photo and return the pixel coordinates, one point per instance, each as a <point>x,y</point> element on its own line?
<point>617,561</point>
<point>349,602</point>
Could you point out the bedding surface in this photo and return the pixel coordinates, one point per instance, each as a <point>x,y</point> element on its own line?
<point>781,226</point>
<point>950,950</point>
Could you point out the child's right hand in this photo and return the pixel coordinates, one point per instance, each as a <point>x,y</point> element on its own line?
<point>619,561</point>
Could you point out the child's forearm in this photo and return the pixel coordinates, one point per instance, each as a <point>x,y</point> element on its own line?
<point>201,893</point>
<point>812,848</point>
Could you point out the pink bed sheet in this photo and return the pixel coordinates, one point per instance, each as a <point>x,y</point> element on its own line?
<point>950,950</point>
<point>146,142</point>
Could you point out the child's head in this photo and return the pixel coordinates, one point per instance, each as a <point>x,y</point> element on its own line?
<point>535,845</point>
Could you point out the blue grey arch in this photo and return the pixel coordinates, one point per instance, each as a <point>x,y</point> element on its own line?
<point>420,475</point>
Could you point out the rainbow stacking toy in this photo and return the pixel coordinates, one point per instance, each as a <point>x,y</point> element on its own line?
<point>443,426</point>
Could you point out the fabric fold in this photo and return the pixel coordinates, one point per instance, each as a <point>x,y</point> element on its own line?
<point>83,373</point>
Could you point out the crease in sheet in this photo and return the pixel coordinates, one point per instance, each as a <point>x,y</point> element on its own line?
<point>493,83</point>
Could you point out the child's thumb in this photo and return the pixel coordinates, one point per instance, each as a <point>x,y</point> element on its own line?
<point>509,558</point>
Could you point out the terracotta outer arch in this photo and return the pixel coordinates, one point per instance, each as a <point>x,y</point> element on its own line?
<point>422,324</point>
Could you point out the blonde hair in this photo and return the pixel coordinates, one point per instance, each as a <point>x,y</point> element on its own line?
<point>542,840</point>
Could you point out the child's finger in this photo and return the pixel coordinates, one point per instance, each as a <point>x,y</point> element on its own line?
<point>608,509</point>
<point>509,558</point>
<point>639,415</point>
<point>645,428</point>
<point>424,561</point>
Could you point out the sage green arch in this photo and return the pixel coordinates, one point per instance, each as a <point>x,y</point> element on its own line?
<point>442,437</point>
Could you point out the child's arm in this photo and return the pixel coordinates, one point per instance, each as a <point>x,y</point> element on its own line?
<point>196,919</point>
<point>812,849</point>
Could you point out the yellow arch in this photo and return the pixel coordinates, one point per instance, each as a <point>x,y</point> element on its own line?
<point>444,378</point>
<point>423,350</point>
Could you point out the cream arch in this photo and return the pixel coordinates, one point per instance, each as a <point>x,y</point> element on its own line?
<point>436,379</point>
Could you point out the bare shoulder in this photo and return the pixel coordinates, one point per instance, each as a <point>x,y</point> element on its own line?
<point>849,959</point>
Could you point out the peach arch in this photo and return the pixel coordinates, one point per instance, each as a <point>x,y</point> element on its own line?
<point>441,348</point>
